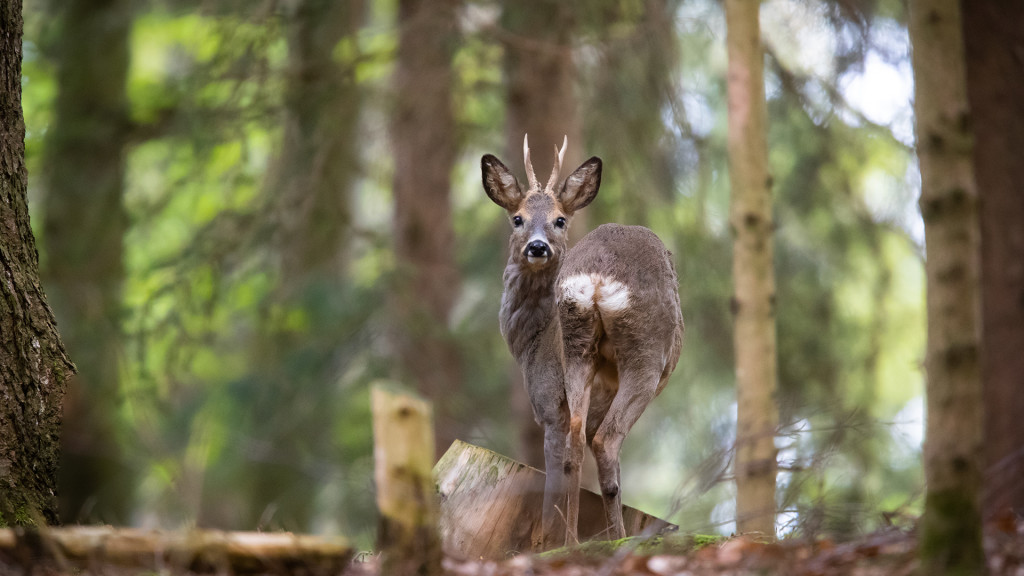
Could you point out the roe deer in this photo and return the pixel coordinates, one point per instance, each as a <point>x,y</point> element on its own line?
<point>596,330</point>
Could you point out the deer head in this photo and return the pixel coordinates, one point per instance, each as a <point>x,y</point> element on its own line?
<point>540,216</point>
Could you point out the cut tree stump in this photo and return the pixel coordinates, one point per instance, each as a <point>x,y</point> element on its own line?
<point>491,505</point>
<point>403,448</point>
<point>99,549</point>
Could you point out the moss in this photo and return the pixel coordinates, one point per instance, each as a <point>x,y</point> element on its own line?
<point>950,534</point>
<point>644,546</point>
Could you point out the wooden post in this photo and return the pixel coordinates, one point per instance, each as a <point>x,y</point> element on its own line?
<point>403,449</point>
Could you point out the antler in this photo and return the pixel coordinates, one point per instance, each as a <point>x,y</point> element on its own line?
<point>557,169</point>
<point>531,176</point>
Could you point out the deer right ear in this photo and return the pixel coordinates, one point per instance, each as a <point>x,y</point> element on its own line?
<point>581,187</point>
<point>500,184</point>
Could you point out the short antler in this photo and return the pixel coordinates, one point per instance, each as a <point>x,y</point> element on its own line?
<point>531,176</point>
<point>557,169</point>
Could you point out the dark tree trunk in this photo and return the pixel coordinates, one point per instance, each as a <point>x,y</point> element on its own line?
<point>540,84</point>
<point>317,165</point>
<point>319,155</point>
<point>84,225</point>
<point>633,86</point>
<point>33,366</point>
<point>424,144</point>
<point>994,43</point>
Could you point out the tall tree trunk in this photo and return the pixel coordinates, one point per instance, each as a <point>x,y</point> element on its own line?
<point>317,166</point>
<point>633,87</point>
<point>84,224</point>
<point>33,366</point>
<point>540,99</point>
<point>994,43</point>
<point>753,275</point>
<point>424,143</point>
<point>950,530</point>
<point>319,156</point>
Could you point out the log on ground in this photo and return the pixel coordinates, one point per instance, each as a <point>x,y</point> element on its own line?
<point>491,505</point>
<point>98,548</point>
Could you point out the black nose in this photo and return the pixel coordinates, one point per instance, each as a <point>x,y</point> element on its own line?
<point>537,249</point>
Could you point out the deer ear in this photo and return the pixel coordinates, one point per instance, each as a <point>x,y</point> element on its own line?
<point>580,188</point>
<point>500,184</point>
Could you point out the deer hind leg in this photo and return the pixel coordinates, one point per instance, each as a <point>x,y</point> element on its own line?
<point>579,375</point>
<point>637,387</point>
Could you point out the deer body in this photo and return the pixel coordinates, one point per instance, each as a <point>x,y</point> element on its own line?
<point>596,330</point>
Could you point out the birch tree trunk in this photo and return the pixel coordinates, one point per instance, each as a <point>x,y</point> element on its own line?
<point>994,42</point>
<point>753,275</point>
<point>33,365</point>
<point>84,223</point>
<point>423,139</point>
<point>950,530</point>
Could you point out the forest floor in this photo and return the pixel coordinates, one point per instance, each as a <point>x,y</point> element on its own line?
<point>889,552</point>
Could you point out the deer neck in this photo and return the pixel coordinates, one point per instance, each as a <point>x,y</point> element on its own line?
<point>529,315</point>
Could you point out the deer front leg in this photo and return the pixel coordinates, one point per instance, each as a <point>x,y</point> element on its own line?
<point>553,513</point>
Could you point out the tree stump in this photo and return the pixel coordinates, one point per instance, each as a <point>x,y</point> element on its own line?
<point>491,505</point>
<point>403,449</point>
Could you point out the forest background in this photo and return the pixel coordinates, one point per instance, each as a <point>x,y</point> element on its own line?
<point>247,212</point>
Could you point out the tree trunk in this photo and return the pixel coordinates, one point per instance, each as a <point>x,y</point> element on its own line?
<point>317,166</point>
<point>424,144</point>
<point>753,275</point>
<point>633,87</point>
<point>950,530</point>
<point>319,156</point>
<point>994,43</point>
<point>540,100</point>
<point>84,223</point>
<point>33,365</point>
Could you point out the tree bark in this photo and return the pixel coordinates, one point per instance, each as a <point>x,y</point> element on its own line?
<point>950,529</point>
<point>753,304</point>
<point>994,44</point>
<point>540,101</point>
<point>317,166</point>
<point>84,223</point>
<point>319,156</point>
<point>424,144</point>
<point>33,365</point>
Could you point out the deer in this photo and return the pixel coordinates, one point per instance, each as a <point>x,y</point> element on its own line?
<point>596,330</point>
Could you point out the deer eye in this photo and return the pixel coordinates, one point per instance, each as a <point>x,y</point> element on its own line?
<point>559,222</point>
<point>517,221</point>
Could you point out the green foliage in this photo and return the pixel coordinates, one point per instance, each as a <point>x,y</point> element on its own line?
<point>245,402</point>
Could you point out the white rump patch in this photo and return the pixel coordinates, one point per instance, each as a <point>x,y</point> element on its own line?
<point>586,290</point>
<point>580,289</point>
<point>614,296</point>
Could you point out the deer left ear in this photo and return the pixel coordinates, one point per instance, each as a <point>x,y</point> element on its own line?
<point>581,187</point>
<point>500,184</point>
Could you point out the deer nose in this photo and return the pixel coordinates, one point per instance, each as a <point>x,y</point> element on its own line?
<point>537,249</point>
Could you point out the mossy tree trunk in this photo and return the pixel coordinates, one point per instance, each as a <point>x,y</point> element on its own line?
<point>950,530</point>
<point>753,274</point>
<point>33,365</point>
<point>84,223</point>
<point>994,42</point>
